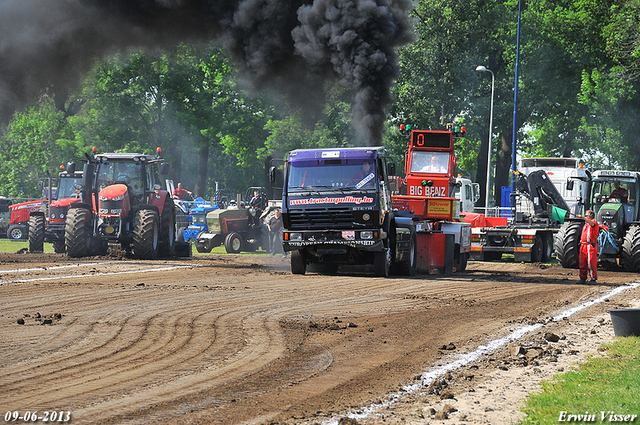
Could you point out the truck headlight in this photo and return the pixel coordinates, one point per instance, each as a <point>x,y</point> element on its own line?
<point>614,225</point>
<point>366,234</point>
<point>295,236</point>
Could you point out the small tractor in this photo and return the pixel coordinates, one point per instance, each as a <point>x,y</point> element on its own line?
<point>199,213</point>
<point>123,203</point>
<point>239,229</point>
<point>620,242</point>
<point>48,223</point>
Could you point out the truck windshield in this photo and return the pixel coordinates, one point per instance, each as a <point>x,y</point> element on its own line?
<point>331,174</point>
<point>430,162</point>
<point>66,187</point>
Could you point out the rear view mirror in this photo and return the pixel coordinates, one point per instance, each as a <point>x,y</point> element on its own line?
<point>569,184</point>
<point>71,167</point>
<point>391,169</point>
<point>164,167</point>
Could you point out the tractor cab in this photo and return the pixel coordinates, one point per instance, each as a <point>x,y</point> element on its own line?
<point>614,198</point>
<point>430,163</point>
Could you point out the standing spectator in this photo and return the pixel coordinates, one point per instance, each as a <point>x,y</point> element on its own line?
<point>179,192</point>
<point>275,230</point>
<point>589,247</point>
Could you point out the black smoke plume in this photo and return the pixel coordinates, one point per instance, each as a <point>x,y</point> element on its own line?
<point>294,46</point>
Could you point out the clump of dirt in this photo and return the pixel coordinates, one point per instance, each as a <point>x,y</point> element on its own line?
<point>39,319</point>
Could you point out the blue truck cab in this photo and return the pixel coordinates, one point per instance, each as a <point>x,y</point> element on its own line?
<point>337,209</point>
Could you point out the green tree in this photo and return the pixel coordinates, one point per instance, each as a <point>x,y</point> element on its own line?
<point>37,141</point>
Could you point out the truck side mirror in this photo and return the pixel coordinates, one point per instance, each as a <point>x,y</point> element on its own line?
<point>272,174</point>
<point>391,169</point>
<point>40,186</point>
<point>71,167</point>
<point>569,184</point>
<point>164,168</point>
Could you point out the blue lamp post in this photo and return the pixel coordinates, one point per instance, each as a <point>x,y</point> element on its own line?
<point>515,103</point>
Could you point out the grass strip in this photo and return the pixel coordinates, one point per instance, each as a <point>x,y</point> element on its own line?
<point>594,391</point>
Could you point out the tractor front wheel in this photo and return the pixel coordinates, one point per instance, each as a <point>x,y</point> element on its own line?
<point>146,234</point>
<point>168,238</point>
<point>77,232</point>
<point>36,233</point>
<point>17,232</point>
<point>233,243</point>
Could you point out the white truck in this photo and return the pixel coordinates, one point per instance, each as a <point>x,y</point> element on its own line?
<point>559,171</point>
<point>467,193</point>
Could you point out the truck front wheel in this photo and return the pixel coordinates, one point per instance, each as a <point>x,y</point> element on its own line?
<point>382,262</point>
<point>537,250</point>
<point>298,263</point>
<point>547,242</point>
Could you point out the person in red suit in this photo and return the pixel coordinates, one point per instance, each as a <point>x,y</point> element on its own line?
<point>589,247</point>
<point>179,192</point>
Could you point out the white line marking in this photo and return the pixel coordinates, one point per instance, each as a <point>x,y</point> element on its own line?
<point>66,266</point>
<point>159,269</point>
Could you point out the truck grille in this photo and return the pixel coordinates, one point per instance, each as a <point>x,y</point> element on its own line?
<point>326,218</point>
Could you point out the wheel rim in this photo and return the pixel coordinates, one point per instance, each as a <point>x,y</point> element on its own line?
<point>235,244</point>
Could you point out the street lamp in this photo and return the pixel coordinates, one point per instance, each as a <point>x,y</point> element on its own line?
<point>493,80</point>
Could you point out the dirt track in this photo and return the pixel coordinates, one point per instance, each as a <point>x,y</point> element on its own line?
<point>238,339</point>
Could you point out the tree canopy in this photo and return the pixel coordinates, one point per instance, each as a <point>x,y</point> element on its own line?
<point>578,96</point>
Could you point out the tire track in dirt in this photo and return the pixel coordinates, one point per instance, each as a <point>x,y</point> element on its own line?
<point>237,340</point>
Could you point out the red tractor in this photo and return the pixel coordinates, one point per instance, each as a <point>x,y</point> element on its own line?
<point>123,202</point>
<point>18,227</point>
<point>48,223</point>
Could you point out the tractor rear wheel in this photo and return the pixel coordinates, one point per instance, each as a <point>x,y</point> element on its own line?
<point>233,243</point>
<point>631,249</point>
<point>77,232</point>
<point>36,233</point>
<point>567,244</point>
<point>168,237</point>
<point>146,234</point>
